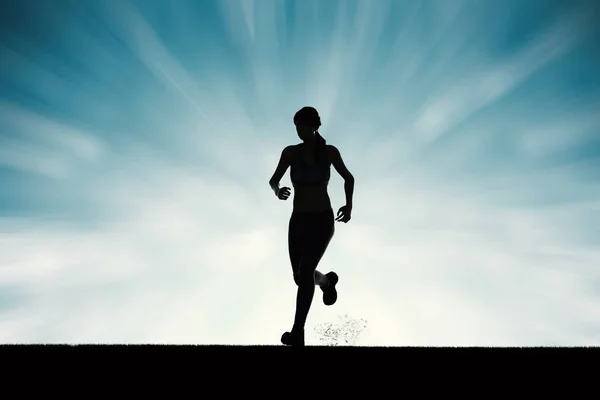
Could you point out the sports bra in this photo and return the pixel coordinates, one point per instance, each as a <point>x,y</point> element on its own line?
<point>303,174</point>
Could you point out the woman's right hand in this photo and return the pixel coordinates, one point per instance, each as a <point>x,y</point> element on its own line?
<point>283,193</point>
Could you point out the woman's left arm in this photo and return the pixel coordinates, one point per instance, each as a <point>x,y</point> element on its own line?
<point>340,167</point>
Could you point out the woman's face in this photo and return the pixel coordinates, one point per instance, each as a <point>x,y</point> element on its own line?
<point>305,132</point>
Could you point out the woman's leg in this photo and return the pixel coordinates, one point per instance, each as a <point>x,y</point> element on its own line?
<point>319,231</point>
<point>321,279</point>
<point>295,240</point>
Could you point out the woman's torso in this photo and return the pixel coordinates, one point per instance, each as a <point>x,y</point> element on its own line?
<point>310,179</point>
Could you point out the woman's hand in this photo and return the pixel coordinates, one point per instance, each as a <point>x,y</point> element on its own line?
<point>344,214</point>
<point>283,193</point>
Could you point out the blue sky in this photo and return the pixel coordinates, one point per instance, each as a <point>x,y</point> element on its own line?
<point>137,139</point>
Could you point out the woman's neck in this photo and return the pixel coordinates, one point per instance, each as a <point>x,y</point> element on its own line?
<point>309,144</point>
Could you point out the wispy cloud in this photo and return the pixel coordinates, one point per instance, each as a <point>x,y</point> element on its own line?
<point>487,84</point>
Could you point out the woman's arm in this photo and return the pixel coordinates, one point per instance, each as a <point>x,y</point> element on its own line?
<point>340,167</point>
<point>282,166</point>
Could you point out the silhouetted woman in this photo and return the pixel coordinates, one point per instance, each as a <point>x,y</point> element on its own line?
<point>311,225</point>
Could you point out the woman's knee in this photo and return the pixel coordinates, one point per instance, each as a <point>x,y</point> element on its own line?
<point>305,276</point>
<point>297,279</point>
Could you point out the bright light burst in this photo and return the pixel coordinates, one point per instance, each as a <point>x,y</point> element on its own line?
<point>137,139</point>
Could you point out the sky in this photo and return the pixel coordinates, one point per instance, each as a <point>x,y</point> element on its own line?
<point>137,139</point>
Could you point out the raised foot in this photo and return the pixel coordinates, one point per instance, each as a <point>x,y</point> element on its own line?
<point>329,292</point>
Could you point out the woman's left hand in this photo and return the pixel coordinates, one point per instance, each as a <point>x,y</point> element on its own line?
<point>344,214</point>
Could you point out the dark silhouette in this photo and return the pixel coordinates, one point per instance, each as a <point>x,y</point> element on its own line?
<point>311,225</point>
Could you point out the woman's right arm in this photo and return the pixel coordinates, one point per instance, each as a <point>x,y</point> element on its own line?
<point>282,166</point>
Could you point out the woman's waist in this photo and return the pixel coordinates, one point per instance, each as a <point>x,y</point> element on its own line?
<point>309,193</point>
<point>317,188</point>
<point>311,199</point>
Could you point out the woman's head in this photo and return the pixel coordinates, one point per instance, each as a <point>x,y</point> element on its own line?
<point>307,123</point>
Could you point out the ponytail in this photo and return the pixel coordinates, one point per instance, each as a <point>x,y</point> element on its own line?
<point>320,146</point>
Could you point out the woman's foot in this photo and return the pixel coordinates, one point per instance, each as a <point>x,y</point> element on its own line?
<point>293,338</point>
<point>329,292</point>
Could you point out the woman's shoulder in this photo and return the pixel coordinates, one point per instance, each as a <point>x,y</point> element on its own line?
<point>332,150</point>
<point>289,152</point>
<point>332,153</point>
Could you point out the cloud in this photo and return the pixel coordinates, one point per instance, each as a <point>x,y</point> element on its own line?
<point>58,148</point>
<point>483,86</point>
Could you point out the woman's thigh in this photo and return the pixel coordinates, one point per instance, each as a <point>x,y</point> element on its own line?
<point>318,233</point>
<point>295,241</point>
